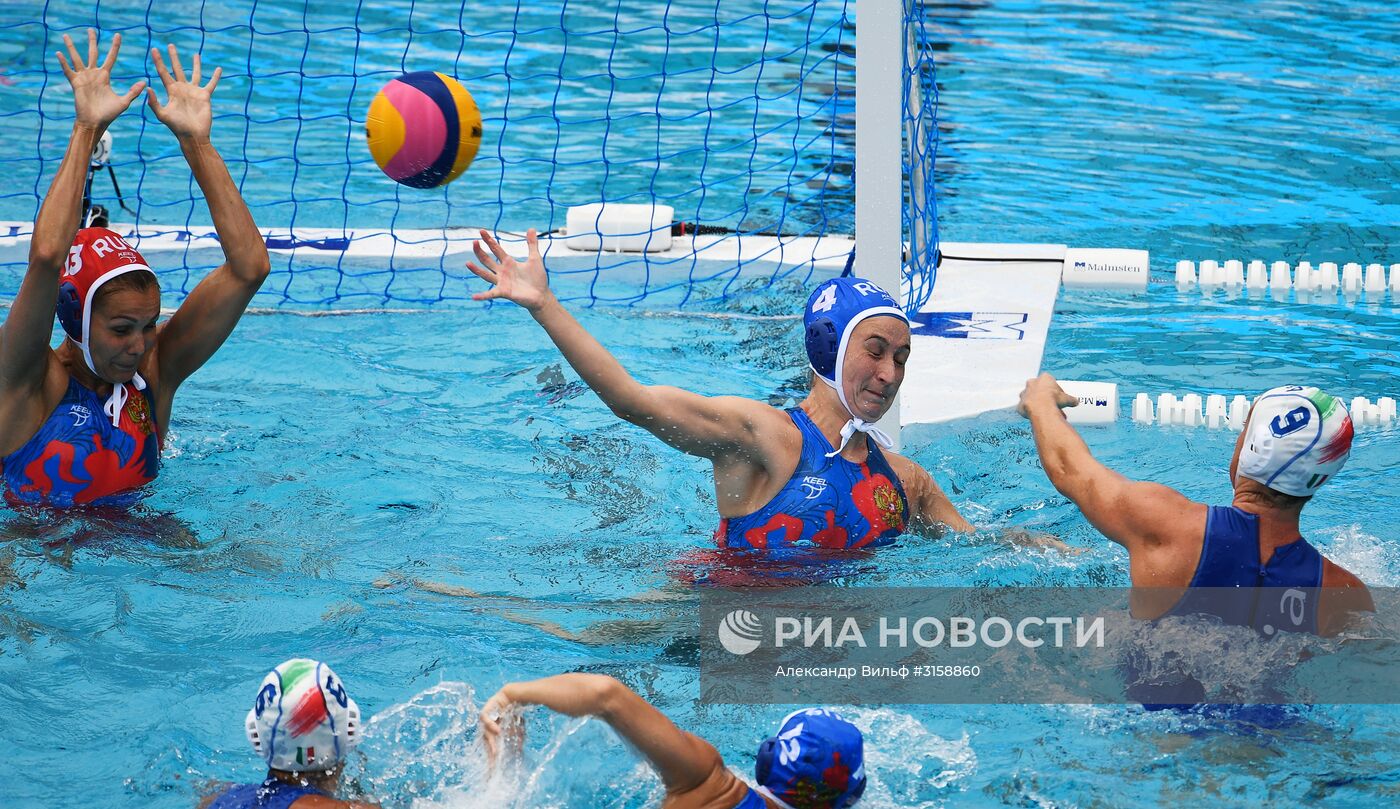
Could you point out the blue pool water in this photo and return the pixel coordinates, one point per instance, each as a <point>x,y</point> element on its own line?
<point>332,484</point>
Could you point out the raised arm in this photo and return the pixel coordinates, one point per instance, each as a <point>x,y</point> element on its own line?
<point>209,314</point>
<point>683,760</point>
<point>707,426</point>
<point>24,339</point>
<point>1133,514</point>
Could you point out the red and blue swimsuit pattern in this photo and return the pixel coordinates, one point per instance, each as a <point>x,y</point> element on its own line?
<point>828,502</point>
<point>79,458</point>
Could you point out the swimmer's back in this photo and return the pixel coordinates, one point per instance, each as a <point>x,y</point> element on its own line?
<point>1220,547</point>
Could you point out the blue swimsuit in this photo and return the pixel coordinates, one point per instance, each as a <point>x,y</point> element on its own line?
<point>1231,585</point>
<point>79,457</point>
<point>828,502</point>
<point>1281,595</point>
<point>752,800</point>
<point>270,794</point>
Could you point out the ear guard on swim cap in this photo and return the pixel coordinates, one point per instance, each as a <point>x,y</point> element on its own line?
<point>823,342</point>
<point>1296,439</point>
<point>70,310</point>
<point>816,761</point>
<point>302,718</point>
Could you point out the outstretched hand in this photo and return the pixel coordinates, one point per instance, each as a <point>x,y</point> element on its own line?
<point>187,110</point>
<point>96,103</point>
<point>1043,388</point>
<point>525,284</point>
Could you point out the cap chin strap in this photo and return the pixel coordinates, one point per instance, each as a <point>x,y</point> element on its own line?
<point>114,404</point>
<point>856,424</point>
<point>764,791</point>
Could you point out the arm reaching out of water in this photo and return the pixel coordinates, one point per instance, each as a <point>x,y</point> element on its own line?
<point>776,483</point>
<point>212,310</point>
<point>931,513</point>
<point>24,338</point>
<point>1137,515</point>
<point>706,426</point>
<point>685,761</point>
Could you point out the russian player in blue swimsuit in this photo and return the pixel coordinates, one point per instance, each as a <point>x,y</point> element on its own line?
<point>81,424</point>
<point>1295,439</point>
<point>816,760</point>
<point>818,476</point>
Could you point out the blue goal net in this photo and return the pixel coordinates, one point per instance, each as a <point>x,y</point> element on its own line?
<point>920,117</point>
<point>736,118</point>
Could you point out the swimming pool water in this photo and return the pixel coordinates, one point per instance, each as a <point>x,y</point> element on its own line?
<point>333,484</point>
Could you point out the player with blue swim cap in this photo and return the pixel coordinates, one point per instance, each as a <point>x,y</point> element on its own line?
<point>816,760</point>
<point>816,476</point>
<point>833,312</point>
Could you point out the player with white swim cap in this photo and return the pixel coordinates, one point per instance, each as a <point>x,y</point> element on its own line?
<point>303,725</point>
<point>817,476</point>
<point>1296,439</point>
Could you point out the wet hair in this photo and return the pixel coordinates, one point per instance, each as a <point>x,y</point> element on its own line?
<point>1273,497</point>
<point>136,281</point>
<point>1279,500</point>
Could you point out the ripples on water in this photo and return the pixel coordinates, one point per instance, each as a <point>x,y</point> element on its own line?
<point>427,504</point>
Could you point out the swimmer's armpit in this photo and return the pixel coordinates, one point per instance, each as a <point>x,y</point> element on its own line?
<point>931,513</point>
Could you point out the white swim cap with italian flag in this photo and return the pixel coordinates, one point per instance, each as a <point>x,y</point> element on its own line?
<point>1296,439</point>
<point>302,718</point>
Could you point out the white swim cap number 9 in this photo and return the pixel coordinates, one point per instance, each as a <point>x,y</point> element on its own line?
<point>265,698</point>
<point>336,690</point>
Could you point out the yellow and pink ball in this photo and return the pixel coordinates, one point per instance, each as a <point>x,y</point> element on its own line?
<point>423,129</point>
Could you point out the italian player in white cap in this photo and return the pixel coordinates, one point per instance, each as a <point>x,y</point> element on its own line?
<point>1295,440</point>
<point>302,725</point>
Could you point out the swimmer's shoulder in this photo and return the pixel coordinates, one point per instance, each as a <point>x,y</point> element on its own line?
<point>721,788</point>
<point>1343,596</point>
<point>914,478</point>
<point>1334,575</point>
<point>765,423</point>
